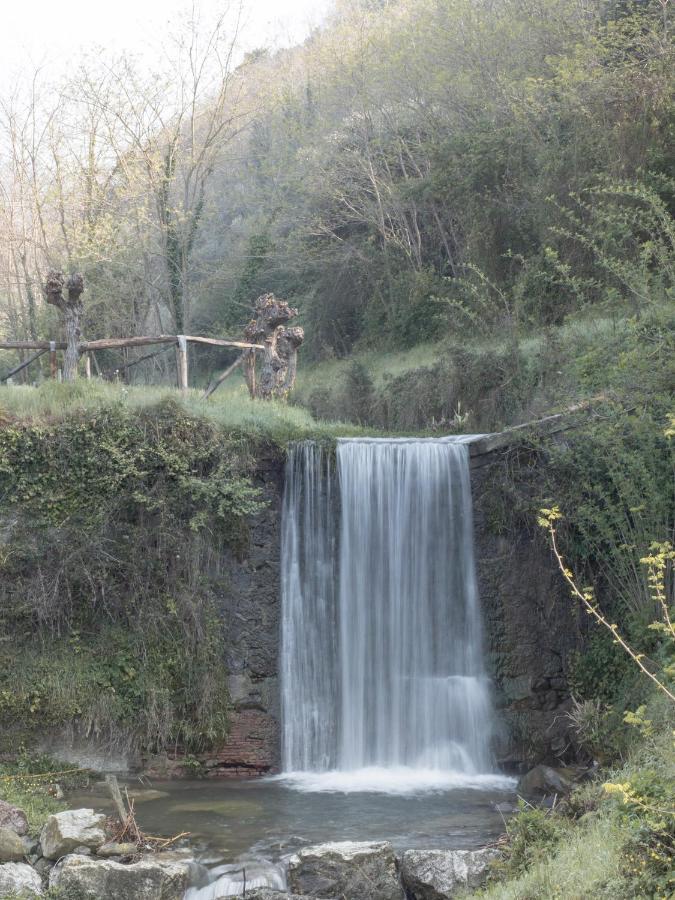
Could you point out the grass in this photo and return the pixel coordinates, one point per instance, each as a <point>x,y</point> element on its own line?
<point>20,787</point>
<point>586,865</point>
<point>233,410</point>
<point>606,847</point>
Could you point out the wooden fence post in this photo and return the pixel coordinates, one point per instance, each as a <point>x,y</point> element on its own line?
<point>52,359</point>
<point>182,362</point>
<point>87,367</point>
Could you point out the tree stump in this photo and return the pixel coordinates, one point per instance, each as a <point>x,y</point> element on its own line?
<point>71,309</point>
<point>280,356</point>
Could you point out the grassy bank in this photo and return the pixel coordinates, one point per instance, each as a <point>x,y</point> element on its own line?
<point>480,383</point>
<point>614,837</point>
<point>230,410</point>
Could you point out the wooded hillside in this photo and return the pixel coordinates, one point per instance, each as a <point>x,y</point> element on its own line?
<point>417,168</point>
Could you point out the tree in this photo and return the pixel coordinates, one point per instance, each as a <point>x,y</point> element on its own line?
<point>71,309</point>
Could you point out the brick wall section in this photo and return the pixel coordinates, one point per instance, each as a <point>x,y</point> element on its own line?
<point>251,747</point>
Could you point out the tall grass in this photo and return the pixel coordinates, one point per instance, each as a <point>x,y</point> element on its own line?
<point>233,409</point>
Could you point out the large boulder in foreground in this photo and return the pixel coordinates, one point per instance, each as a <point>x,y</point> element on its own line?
<point>65,831</point>
<point>348,870</point>
<point>12,817</point>
<point>149,879</point>
<point>21,880</point>
<point>438,874</point>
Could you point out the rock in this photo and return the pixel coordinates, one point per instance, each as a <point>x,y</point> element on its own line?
<point>31,845</point>
<point>19,879</point>
<point>113,849</point>
<point>13,817</point>
<point>147,794</point>
<point>43,867</point>
<point>149,879</point>
<point>436,874</point>
<point>543,780</point>
<point>12,848</point>
<point>270,894</point>
<point>349,870</point>
<point>64,831</point>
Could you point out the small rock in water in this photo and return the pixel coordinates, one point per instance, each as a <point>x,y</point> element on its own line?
<point>543,780</point>
<point>436,874</point>
<point>19,879</point>
<point>13,817</point>
<point>350,870</point>
<point>12,848</point>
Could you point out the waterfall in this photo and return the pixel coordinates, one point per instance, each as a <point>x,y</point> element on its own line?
<point>382,664</point>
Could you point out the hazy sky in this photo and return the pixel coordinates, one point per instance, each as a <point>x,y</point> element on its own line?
<point>39,31</point>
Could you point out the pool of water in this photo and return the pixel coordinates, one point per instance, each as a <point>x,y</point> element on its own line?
<point>257,824</point>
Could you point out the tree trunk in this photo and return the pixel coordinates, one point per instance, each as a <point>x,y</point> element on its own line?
<point>71,309</point>
<point>280,349</point>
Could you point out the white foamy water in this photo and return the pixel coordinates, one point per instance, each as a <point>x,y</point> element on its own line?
<point>399,781</point>
<point>383,683</point>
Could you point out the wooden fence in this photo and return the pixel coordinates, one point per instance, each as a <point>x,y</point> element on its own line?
<point>180,341</point>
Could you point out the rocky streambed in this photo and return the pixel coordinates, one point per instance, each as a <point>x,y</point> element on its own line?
<point>427,856</point>
<point>75,855</point>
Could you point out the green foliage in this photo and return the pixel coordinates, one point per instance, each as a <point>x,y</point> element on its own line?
<point>612,840</point>
<point>602,671</point>
<point>533,835</point>
<point>112,573</point>
<point>27,782</point>
<point>615,478</point>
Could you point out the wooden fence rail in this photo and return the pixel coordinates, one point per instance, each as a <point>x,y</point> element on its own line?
<point>180,340</point>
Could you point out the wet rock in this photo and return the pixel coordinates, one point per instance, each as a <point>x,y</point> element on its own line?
<point>12,848</point>
<point>13,817</point>
<point>349,870</point>
<point>437,874</point>
<point>149,879</point>
<point>64,831</point>
<point>21,880</point>
<point>544,780</point>
<point>146,795</point>
<point>114,849</point>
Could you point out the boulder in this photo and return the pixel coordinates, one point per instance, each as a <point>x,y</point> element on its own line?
<point>349,870</point>
<point>65,831</point>
<point>13,817</point>
<point>438,874</point>
<point>149,879</point>
<point>114,849</point>
<point>543,780</point>
<point>12,848</point>
<point>270,894</point>
<point>19,879</point>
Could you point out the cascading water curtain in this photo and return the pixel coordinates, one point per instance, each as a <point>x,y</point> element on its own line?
<point>309,615</point>
<point>382,644</point>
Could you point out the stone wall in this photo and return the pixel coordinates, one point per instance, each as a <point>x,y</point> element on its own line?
<point>250,611</point>
<point>532,625</point>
